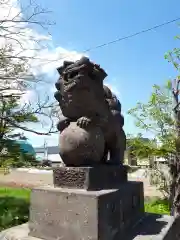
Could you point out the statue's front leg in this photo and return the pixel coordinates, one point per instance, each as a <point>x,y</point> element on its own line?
<point>105,155</point>
<point>117,149</point>
<point>116,157</point>
<point>63,123</point>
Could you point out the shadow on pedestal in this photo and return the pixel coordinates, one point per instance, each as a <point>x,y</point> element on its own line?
<point>156,227</point>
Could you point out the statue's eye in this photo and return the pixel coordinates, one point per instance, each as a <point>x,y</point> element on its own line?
<point>72,74</point>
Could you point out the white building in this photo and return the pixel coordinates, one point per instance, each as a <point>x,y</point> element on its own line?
<point>49,153</point>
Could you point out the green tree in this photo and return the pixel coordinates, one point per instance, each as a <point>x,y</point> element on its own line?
<point>18,48</point>
<point>11,119</point>
<point>160,116</point>
<point>174,58</point>
<point>12,115</point>
<point>155,117</point>
<point>136,151</point>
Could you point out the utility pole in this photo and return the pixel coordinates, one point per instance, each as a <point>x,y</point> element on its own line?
<point>175,162</point>
<point>45,150</point>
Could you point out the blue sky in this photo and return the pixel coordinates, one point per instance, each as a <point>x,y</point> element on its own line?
<point>133,65</point>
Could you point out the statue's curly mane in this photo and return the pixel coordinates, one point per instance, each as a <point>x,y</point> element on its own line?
<point>85,100</point>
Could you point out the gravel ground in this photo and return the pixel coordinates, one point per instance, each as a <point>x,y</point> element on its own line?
<point>33,178</point>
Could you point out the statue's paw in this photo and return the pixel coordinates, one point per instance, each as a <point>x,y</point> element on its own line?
<point>62,125</point>
<point>57,96</point>
<point>83,122</point>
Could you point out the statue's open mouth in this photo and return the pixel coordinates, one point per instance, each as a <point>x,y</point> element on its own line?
<point>69,86</point>
<point>71,83</point>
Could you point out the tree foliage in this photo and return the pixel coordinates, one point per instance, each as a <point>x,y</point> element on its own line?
<point>160,116</point>
<point>156,118</point>
<point>18,48</point>
<point>13,116</point>
<point>174,58</point>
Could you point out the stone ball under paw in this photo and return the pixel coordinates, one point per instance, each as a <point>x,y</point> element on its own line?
<point>80,146</point>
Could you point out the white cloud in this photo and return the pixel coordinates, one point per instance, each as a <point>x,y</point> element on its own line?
<point>39,46</point>
<point>27,97</point>
<point>49,60</point>
<point>114,87</point>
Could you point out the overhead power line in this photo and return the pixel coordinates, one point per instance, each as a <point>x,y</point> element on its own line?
<point>131,35</point>
<point>119,39</point>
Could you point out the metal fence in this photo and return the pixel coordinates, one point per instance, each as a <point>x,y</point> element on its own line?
<point>4,170</point>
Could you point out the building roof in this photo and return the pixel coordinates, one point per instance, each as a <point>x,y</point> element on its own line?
<point>25,146</point>
<point>39,149</point>
<point>54,158</point>
<point>50,149</point>
<point>53,150</point>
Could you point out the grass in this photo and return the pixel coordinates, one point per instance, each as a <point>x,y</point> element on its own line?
<point>23,193</point>
<point>158,206</point>
<point>14,206</point>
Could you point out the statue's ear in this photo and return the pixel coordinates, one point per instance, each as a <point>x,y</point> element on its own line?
<point>60,70</point>
<point>67,63</point>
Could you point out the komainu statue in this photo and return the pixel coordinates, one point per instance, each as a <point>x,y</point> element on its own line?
<point>91,126</point>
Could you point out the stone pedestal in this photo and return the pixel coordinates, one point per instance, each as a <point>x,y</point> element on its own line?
<point>90,178</point>
<point>75,210</point>
<point>153,227</point>
<point>85,205</point>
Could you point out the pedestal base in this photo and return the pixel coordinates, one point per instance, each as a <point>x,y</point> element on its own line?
<point>60,213</point>
<point>90,178</point>
<point>152,227</point>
